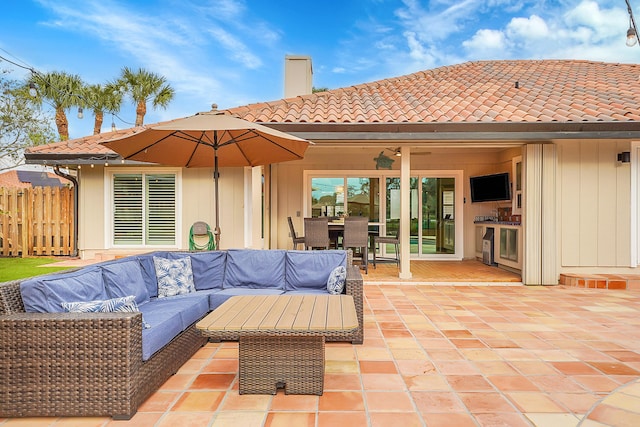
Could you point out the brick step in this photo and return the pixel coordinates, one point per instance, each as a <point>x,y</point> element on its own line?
<point>601,281</point>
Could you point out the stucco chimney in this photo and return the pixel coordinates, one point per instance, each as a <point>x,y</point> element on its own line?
<point>298,76</point>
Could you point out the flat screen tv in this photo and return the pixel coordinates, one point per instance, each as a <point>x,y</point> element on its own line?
<point>490,188</point>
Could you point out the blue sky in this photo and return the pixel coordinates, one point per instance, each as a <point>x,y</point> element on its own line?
<point>231,52</point>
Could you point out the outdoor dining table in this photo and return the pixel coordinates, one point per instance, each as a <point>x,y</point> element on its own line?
<point>281,338</point>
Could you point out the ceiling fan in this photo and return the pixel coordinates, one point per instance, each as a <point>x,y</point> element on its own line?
<point>396,152</point>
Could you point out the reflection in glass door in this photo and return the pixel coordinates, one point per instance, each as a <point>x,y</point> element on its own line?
<point>432,209</point>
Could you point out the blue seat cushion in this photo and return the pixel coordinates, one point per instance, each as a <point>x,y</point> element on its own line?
<point>45,294</point>
<point>164,324</point>
<point>308,291</point>
<point>123,278</point>
<point>311,269</point>
<point>255,269</point>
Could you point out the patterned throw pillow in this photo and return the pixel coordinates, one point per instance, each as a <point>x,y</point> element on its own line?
<point>175,276</point>
<point>337,280</point>
<point>115,305</point>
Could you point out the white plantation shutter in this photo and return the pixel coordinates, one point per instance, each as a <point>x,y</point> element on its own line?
<point>144,209</point>
<point>127,214</point>
<point>161,209</point>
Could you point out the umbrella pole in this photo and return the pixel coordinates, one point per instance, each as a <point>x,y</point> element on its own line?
<point>216,231</point>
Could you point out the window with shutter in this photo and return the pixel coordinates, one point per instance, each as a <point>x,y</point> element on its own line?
<point>144,209</point>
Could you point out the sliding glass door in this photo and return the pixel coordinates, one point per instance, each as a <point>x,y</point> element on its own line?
<point>432,207</point>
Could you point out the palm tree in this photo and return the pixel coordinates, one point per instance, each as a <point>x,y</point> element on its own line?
<point>102,99</point>
<point>145,86</point>
<point>63,91</point>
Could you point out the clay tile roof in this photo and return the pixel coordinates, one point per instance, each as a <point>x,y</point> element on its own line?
<point>483,91</point>
<point>525,91</point>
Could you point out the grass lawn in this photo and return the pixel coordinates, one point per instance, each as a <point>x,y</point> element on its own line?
<point>19,268</point>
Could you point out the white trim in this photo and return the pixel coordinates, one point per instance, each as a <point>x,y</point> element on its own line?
<point>634,258</point>
<point>108,203</point>
<point>383,174</point>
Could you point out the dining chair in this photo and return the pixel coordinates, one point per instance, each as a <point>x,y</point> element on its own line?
<point>383,240</point>
<point>297,240</point>
<point>316,233</point>
<point>356,236</point>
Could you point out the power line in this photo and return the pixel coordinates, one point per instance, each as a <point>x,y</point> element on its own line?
<point>35,72</point>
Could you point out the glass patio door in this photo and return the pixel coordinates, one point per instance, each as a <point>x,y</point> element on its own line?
<point>433,204</point>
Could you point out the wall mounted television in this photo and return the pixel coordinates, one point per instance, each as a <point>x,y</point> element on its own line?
<point>490,188</point>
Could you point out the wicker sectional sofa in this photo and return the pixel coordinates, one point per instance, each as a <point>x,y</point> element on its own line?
<point>58,363</point>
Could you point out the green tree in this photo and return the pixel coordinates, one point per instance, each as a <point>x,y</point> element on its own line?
<point>101,99</point>
<point>22,122</point>
<point>63,91</point>
<point>144,86</point>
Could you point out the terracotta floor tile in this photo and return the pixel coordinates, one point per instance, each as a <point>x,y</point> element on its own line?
<point>555,420</point>
<point>534,402</point>
<point>494,368</point>
<point>334,382</point>
<point>383,382</point>
<point>221,366</point>
<point>533,367</point>
<point>612,416</point>
<point>395,419</point>
<point>198,401</point>
<point>351,419</point>
<point>173,419</point>
<point>556,383</point>
<point>468,383</point>
<point>449,420</point>
<point>159,401</point>
<point>213,381</point>
<point>614,368</point>
<point>596,383</point>
<point>512,383</point>
<point>483,402</point>
<point>574,368</point>
<point>82,422</point>
<point>439,402</point>
<point>178,382</point>
<point>506,419</point>
<point>388,401</point>
<point>341,366</point>
<point>377,367</point>
<point>456,367</point>
<point>293,402</point>
<point>341,401</point>
<point>415,367</point>
<point>236,419</point>
<point>140,419</point>
<point>288,419</point>
<point>431,382</point>
<point>246,402</point>
<point>579,403</point>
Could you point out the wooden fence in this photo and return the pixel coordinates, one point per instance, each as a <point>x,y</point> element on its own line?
<point>36,221</point>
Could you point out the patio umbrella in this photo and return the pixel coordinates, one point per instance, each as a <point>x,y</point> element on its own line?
<point>209,139</point>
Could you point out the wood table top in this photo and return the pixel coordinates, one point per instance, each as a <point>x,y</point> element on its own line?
<point>311,314</point>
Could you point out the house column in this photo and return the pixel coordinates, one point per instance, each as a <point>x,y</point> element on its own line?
<point>540,216</point>
<point>405,213</point>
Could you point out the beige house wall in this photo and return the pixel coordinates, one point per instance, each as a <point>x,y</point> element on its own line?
<point>594,200</point>
<point>473,161</point>
<point>196,203</point>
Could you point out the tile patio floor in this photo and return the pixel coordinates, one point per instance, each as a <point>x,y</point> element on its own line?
<point>436,355</point>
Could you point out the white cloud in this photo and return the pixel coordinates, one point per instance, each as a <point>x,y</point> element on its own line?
<point>486,43</point>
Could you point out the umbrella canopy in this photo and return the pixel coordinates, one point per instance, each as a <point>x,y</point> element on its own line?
<point>209,139</point>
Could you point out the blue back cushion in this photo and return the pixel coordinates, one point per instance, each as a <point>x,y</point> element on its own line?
<point>124,278</point>
<point>253,269</point>
<point>208,268</point>
<point>149,271</point>
<point>311,269</point>
<point>45,294</point>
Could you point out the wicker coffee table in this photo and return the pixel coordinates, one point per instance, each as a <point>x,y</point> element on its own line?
<point>281,338</point>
